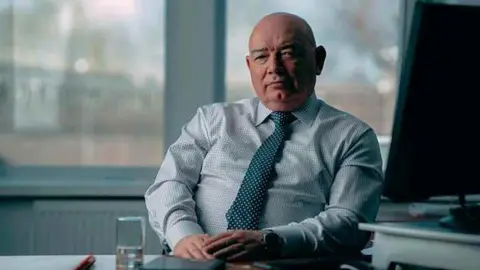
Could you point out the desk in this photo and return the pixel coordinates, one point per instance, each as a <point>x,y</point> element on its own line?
<point>423,243</point>
<point>107,262</point>
<point>68,262</point>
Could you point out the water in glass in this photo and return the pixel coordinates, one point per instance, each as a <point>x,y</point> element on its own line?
<point>130,236</point>
<point>129,257</point>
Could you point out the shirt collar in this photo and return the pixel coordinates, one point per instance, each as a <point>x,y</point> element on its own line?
<point>306,113</point>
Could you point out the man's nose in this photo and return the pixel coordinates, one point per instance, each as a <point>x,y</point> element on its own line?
<point>275,65</point>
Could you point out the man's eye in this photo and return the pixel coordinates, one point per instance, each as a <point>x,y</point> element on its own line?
<point>260,57</point>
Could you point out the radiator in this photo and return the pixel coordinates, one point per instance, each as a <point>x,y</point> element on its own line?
<point>81,227</point>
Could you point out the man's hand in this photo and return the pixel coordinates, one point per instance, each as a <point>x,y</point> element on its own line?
<point>190,247</point>
<point>236,245</point>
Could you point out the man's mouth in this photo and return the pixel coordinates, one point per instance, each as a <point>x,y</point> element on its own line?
<point>283,85</point>
<point>277,83</point>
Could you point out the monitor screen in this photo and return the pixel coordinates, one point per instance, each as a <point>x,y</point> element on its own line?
<point>435,144</point>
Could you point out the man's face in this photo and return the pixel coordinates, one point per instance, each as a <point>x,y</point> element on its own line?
<point>283,64</point>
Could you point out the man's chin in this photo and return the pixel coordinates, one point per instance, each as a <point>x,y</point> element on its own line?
<point>282,95</point>
<point>284,104</point>
<point>279,99</point>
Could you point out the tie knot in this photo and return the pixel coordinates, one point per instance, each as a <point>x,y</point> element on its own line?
<point>281,118</point>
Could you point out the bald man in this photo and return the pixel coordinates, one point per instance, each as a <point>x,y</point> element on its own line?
<point>282,174</point>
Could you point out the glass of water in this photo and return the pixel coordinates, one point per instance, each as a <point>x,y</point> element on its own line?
<point>130,242</point>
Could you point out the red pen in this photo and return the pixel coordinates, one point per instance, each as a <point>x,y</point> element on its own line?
<point>86,263</point>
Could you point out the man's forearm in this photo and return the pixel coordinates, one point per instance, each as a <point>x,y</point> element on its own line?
<point>171,211</point>
<point>328,231</point>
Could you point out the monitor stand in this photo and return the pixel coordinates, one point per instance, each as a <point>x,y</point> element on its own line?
<point>465,218</point>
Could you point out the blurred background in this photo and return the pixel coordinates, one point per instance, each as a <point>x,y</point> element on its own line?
<point>82,82</point>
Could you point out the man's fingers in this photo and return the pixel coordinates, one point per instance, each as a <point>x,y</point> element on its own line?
<point>219,244</point>
<point>250,251</point>
<point>238,256</point>
<point>205,238</point>
<point>229,251</point>
<point>208,256</point>
<point>185,254</point>
<point>197,253</point>
<point>218,237</point>
<point>199,246</point>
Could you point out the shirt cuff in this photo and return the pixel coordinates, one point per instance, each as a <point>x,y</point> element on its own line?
<point>180,230</point>
<point>294,238</point>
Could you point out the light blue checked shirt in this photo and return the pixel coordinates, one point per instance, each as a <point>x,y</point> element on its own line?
<point>328,179</point>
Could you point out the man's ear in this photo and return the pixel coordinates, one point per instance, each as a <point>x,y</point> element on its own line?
<point>320,56</point>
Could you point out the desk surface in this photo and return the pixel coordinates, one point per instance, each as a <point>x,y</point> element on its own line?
<point>69,262</point>
<point>421,229</point>
<point>423,243</point>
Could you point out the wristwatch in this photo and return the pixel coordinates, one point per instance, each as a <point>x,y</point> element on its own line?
<point>272,241</point>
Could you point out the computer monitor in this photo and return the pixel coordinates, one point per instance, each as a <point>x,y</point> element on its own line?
<point>435,145</point>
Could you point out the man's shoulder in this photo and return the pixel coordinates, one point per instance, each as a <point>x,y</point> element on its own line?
<point>342,118</point>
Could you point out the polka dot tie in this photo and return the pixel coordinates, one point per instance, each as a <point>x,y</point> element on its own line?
<point>244,214</point>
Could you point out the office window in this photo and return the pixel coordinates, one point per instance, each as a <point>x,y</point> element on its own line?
<point>81,82</point>
<point>361,38</point>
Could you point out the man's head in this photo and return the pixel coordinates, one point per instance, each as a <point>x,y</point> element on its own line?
<point>284,61</point>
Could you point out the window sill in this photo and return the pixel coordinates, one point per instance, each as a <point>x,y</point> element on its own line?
<point>61,188</point>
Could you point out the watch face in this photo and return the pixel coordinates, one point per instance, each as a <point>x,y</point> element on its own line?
<point>272,239</point>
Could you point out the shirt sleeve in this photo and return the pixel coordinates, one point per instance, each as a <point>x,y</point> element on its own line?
<point>169,200</point>
<point>354,197</point>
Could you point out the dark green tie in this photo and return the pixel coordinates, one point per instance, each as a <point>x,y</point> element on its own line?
<point>244,214</point>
